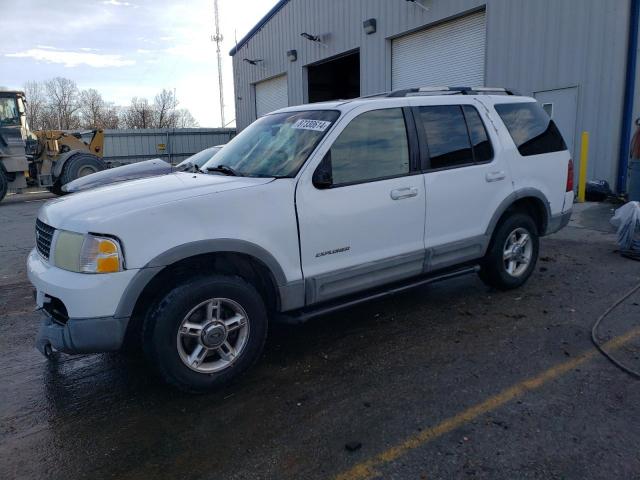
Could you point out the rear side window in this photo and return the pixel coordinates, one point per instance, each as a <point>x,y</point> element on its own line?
<point>482,149</point>
<point>533,132</point>
<point>447,136</point>
<point>456,136</point>
<point>373,146</point>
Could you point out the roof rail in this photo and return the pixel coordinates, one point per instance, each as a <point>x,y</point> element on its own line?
<point>412,92</point>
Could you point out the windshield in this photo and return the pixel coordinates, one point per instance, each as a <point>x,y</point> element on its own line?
<point>200,158</point>
<point>9,115</point>
<point>275,145</point>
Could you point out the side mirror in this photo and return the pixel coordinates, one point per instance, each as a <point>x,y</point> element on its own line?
<point>322,177</point>
<point>638,121</point>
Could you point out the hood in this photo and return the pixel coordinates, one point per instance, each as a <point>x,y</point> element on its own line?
<point>148,168</point>
<point>86,211</point>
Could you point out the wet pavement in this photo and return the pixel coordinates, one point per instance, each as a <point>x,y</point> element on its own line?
<point>424,385</point>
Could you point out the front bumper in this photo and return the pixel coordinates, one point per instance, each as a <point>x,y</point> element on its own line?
<point>87,335</point>
<point>83,295</point>
<point>79,309</point>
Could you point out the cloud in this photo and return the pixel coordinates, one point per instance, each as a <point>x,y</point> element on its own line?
<point>117,3</point>
<point>73,59</point>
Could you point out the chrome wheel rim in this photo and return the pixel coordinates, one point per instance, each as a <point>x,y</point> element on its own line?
<point>517,252</point>
<point>213,335</point>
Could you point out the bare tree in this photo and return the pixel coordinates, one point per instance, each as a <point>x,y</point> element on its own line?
<point>92,108</point>
<point>111,117</point>
<point>164,106</point>
<point>57,103</point>
<point>184,119</point>
<point>64,102</point>
<point>139,114</point>
<point>95,112</point>
<point>36,106</point>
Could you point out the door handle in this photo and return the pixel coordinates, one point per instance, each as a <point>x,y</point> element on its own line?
<point>495,176</point>
<point>401,193</point>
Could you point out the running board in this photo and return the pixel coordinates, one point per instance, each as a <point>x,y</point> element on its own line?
<point>301,316</point>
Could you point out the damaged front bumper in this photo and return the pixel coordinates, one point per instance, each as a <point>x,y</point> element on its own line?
<point>87,335</point>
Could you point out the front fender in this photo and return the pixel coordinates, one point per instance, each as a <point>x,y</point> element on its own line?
<point>291,293</point>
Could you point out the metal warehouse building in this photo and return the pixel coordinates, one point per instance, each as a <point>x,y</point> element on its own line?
<point>577,57</point>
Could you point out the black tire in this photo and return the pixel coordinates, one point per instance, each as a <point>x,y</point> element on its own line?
<point>493,269</point>
<point>160,331</point>
<point>4,184</point>
<point>77,166</point>
<point>56,189</point>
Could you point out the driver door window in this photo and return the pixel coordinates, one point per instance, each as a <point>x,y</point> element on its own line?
<point>373,146</point>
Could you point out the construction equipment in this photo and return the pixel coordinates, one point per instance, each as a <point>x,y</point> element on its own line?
<point>48,158</point>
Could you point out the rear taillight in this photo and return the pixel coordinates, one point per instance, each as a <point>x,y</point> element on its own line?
<point>570,176</point>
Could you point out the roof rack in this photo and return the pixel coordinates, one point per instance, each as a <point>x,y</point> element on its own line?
<point>413,92</point>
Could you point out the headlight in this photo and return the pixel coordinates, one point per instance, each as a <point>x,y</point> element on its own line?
<point>87,253</point>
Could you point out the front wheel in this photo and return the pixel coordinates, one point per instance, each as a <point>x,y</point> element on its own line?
<point>78,166</point>
<point>206,332</point>
<point>512,253</point>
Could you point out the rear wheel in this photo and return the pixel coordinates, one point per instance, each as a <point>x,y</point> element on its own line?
<point>79,165</point>
<point>4,184</point>
<point>512,253</point>
<point>206,332</point>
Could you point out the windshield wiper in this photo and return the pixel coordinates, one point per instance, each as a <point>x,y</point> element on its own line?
<point>223,169</point>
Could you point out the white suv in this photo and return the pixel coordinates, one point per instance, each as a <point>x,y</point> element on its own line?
<point>310,209</point>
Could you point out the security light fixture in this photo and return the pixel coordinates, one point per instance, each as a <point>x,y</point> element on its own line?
<point>292,55</point>
<point>417,3</point>
<point>253,62</point>
<point>312,38</point>
<point>370,26</point>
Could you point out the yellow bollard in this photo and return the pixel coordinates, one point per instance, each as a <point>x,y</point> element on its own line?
<point>584,157</point>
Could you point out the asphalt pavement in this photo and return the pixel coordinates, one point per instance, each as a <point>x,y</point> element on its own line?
<point>452,380</point>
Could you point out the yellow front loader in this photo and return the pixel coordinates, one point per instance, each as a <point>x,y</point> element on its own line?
<point>47,158</point>
<point>59,157</point>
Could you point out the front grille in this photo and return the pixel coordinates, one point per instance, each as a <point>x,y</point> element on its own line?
<point>44,235</point>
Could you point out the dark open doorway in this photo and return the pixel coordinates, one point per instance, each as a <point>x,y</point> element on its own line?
<point>337,78</point>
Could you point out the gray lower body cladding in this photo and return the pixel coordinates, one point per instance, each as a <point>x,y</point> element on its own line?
<point>558,222</point>
<point>86,335</point>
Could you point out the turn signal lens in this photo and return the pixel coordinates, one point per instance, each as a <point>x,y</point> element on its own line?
<point>107,264</point>
<point>107,247</point>
<point>100,255</point>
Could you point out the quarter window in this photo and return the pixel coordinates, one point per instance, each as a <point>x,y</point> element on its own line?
<point>533,132</point>
<point>373,146</point>
<point>447,136</point>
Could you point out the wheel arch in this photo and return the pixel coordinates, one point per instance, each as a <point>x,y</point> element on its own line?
<point>529,200</point>
<point>63,159</point>
<point>227,256</point>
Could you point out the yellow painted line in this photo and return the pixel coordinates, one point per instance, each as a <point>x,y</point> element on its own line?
<point>582,175</point>
<point>368,468</point>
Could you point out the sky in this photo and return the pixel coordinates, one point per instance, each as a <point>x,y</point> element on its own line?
<point>128,48</point>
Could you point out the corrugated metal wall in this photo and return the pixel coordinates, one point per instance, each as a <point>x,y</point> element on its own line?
<point>531,46</point>
<point>129,146</point>
<point>551,44</point>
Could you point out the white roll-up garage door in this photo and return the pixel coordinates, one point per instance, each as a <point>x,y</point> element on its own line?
<point>450,54</point>
<point>271,95</point>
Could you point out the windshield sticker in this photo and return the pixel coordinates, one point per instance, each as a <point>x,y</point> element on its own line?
<point>317,125</point>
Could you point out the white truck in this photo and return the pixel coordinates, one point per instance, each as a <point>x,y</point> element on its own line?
<point>310,209</point>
